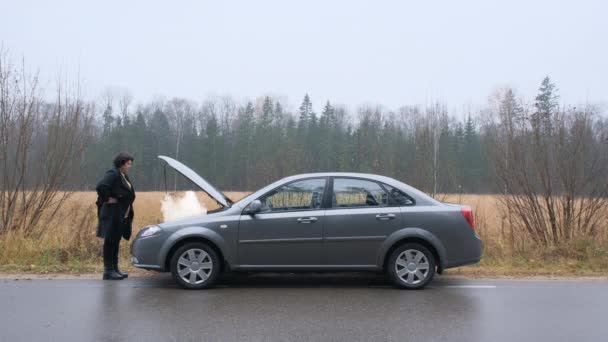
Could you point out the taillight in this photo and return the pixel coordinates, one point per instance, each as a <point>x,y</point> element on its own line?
<point>467,213</point>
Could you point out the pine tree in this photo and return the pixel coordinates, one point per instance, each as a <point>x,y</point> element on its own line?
<point>326,138</point>
<point>244,137</point>
<point>459,138</point>
<point>306,113</point>
<point>159,137</point>
<point>511,112</point>
<point>278,111</point>
<point>327,115</point>
<point>267,113</point>
<point>108,120</point>
<point>547,99</point>
<point>470,132</point>
<point>304,138</point>
<point>546,106</point>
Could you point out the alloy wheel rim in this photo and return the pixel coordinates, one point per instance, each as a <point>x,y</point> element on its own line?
<point>412,266</point>
<point>194,266</point>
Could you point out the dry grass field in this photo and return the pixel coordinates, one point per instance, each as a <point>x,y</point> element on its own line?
<point>66,242</point>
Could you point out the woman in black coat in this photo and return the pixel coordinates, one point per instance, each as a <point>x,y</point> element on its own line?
<point>115,212</point>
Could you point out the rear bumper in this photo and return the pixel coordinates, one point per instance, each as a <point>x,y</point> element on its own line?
<point>473,255</point>
<point>463,262</point>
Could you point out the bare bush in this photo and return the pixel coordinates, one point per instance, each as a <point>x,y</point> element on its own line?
<point>552,164</point>
<point>40,143</point>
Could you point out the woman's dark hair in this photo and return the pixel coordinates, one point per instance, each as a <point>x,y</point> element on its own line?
<point>122,158</point>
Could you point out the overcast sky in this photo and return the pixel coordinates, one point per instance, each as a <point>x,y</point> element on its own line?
<point>350,52</point>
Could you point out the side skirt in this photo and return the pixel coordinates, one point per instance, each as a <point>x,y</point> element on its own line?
<point>313,268</point>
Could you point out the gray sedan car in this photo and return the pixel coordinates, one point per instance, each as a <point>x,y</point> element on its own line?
<point>313,222</point>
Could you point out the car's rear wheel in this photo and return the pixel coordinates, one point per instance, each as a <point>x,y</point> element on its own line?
<point>195,265</point>
<point>411,266</point>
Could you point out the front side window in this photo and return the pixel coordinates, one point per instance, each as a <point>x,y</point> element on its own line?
<point>351,193</point>
<point>301,195</point>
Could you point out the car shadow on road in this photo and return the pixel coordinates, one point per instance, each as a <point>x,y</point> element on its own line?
<point>302,280</point>
<point>285,280</point>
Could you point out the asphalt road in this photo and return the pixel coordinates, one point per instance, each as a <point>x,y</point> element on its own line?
<point>303,307</point>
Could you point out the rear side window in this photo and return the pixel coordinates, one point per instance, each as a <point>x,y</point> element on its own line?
<point>355,193</point>
<point>397,197</point>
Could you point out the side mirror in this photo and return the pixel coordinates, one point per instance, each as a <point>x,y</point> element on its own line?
<point>253,208</point>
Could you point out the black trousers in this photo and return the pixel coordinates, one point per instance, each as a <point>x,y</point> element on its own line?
<point>110,250</point>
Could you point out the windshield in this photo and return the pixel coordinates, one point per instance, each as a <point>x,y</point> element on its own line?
<point>258,192</point>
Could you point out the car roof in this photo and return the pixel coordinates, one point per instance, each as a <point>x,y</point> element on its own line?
<point>418,195</point>
<point>337,174</point>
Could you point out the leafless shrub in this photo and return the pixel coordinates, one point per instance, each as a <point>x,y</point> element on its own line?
<point>39,143</point>
<point>552,164</point>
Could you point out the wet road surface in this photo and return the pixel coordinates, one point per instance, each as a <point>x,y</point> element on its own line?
<point>303,307</point>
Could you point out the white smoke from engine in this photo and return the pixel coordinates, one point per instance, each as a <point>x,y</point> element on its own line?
<point>176,207</point>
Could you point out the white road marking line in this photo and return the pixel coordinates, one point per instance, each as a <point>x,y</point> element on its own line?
<point>443,286</point>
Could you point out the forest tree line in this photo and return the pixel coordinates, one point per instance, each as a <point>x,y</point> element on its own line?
<point>550,158</point>
<point>243,146</point>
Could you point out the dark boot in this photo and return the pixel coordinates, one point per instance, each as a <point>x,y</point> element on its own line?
<point>110,274</point>
<point>109,271</point>
<point>115,259</point>
<point>122,274</point>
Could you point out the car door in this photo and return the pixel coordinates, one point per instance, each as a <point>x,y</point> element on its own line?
<point>358,221</point>
<point>289,229</point>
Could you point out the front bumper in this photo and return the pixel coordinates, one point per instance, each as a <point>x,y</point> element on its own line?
<point>145,252</point>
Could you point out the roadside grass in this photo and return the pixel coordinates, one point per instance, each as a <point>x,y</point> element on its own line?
<point>541,263</point>
<point>66,242</point>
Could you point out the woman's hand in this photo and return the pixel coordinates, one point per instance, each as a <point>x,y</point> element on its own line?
<point>112,200</point>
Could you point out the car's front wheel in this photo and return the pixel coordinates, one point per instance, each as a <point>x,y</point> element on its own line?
<point>195,265</point>
<point>411,266</point>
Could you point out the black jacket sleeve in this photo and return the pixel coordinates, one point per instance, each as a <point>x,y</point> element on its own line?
<point>104,187</point>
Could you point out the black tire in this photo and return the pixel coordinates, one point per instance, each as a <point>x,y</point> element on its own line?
<point>411,249</point>
<point>200,282</point>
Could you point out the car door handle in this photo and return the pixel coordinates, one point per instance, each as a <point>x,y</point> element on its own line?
<point>385,217</point>
<point>307,220</point>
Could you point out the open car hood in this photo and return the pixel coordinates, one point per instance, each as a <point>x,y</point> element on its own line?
<point>187,172</point>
